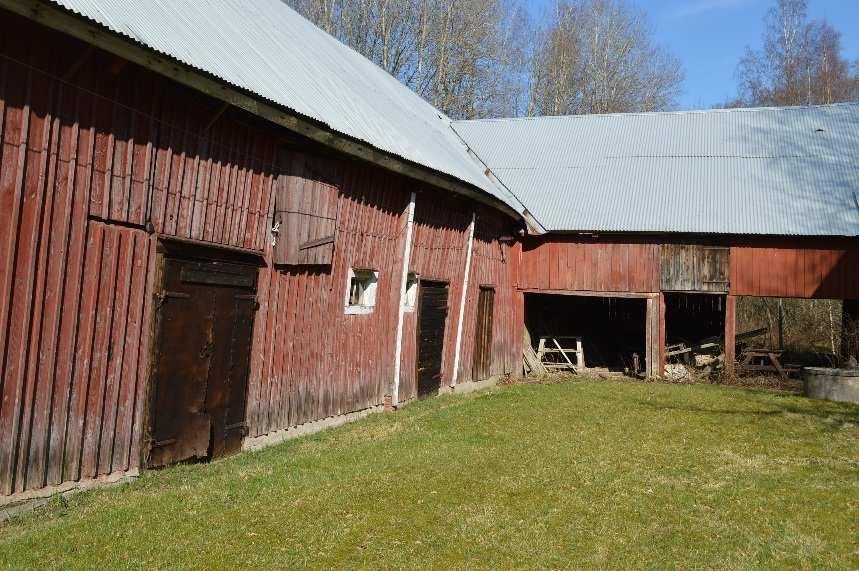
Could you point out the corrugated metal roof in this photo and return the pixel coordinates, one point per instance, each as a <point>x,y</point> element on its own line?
<point>777,171</point>
<point>268,49</point>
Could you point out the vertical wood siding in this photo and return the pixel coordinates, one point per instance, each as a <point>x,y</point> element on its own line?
<point>590,264</point>
<point>808,268</point>
<point>311,360</point>
<point>72,289</point>
<point>96,156</point>
<point>101,159</point>
<point>495,264</point>
<point>439,248</point>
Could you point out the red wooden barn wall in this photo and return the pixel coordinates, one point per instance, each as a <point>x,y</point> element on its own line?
<point>311,360</point>
<point>439,249</point>
<point>98,161</point>
<point>87,159</point>
<point>759,266</point>
<point>574,263</point>
<point>796,267</point>
<point>496,264</point>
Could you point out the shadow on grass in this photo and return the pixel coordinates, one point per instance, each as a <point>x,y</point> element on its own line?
<point>832,416</point>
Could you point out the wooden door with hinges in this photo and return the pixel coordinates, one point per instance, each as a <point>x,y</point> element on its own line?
<point>432,321</point>
<point>204,326</point>
<point>482,358</point>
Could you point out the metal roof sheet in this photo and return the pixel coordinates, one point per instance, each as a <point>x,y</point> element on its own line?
<point>268,49</point>
<point>776,171</point>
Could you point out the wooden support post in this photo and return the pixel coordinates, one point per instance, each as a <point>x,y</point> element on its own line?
<point>661,334</point>
<point>850,329</point>
<point>409,215</point>
<point>462,299</point>
<point>652,353</point>
<point>651,338</point>
<point>730,333</point>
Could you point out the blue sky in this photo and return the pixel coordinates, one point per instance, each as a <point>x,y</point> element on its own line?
<point>710,37</point>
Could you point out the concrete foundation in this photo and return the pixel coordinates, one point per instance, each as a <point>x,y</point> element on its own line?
<point>23,502</point>
<point>831,384</point>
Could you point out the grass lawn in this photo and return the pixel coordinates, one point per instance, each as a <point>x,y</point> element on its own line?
<point>585,473</point>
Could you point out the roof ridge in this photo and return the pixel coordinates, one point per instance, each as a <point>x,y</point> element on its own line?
<point>653,113</point>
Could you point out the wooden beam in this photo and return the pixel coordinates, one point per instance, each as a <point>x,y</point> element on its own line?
<point>73,69</point>
<point>589,293</point>
<point>462,299</point>
<point>217,115</point>
<point>409,215</point>
<point>652,339</point>
<point>661,329</point>
<point>316,243</point>
<point>730,333</point>
<point>90,32</point>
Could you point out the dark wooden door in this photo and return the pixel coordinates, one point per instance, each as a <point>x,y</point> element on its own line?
<point>204,327</point>
<point>432,318</point>
<point>482,363</point>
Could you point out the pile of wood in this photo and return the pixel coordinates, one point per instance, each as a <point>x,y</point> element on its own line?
<point>533,366</point>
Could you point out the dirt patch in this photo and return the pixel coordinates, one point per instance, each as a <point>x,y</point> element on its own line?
<point>765,382</point>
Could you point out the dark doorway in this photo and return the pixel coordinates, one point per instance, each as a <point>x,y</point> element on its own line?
<point>694,324</point>
<point>613,330</point>
<point>432,317</point>
<point>204,324</point>
<point>482,364</point>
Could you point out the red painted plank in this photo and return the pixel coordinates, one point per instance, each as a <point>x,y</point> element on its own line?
<point>84,350</point>
<point>98,381</point>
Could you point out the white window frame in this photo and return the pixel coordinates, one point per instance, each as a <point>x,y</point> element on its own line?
<point>410,299</point>
<point>368,296</point>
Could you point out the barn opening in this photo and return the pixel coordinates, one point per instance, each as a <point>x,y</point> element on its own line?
<point>611,331</point>
<point>204,322</point>
<point>809,332</point>
<point>694,327</point>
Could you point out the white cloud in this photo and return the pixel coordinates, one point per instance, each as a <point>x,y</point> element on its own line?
<point>697,7</point>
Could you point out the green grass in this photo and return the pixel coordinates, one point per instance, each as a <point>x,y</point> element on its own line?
<point>593,474</point>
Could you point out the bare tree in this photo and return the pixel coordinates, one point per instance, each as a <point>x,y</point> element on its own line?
<point>799,62</point>
<point>467,57</point>
<point>598,56</point>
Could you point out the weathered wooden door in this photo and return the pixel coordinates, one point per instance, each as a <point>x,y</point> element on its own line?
<point>204,325</point>
<point>432,318</point>
<point>482,363</point>
<point>693,267</point>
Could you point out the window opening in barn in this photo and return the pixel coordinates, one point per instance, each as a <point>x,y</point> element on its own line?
<point>588,333</point>
<point>411,296</point>
<point>361,291</point>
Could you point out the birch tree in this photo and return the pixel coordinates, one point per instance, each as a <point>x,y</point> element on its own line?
<point>598,56</point>
<point>798,63</point>
<point>467,57</point>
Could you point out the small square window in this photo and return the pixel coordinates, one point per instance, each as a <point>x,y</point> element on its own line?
<point>411,296</point>
<point>361,291</point>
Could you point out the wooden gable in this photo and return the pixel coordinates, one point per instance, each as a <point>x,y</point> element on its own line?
<point>695,267</point>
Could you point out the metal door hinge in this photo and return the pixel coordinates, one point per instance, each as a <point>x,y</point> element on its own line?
<point>160,298</point>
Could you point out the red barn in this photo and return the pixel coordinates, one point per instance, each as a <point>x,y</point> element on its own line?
<point>222,227</point>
